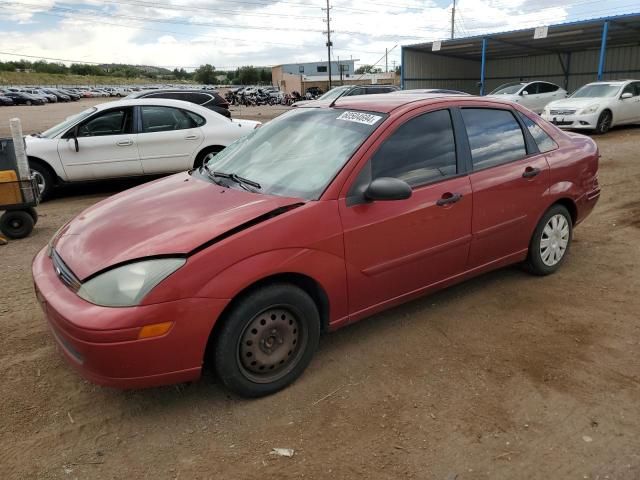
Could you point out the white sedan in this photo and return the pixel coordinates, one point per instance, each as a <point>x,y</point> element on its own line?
<point>533,95</point>
<point>129,138</point>
<point>597,106</point>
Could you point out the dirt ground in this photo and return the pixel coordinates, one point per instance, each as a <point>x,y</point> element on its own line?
<point>507,376</point>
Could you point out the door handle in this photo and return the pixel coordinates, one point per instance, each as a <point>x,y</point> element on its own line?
<point>124,143</point>
<point>449,199</point>
<point>191,137</point>
<point>530,172</point>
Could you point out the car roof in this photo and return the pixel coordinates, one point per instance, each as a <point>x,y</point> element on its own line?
<point>161,102</point>
<point>387,102</point>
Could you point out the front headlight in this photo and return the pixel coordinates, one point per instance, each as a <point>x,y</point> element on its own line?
<point>590,109</point>
<point>126,286</point>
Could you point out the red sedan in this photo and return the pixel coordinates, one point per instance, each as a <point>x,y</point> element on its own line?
<point>314,221</point>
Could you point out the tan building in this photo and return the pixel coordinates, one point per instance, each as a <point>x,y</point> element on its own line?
<point>288,82</point>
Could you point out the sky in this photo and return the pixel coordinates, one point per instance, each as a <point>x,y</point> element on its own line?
<point>231,33</point>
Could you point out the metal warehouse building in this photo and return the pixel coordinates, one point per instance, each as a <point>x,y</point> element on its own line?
<point>568,54</point>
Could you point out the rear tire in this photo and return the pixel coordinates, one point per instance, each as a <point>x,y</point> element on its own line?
<point>205,155</point>
<point>266,340</point>
<point>550,242</point>
<point>16,224</point>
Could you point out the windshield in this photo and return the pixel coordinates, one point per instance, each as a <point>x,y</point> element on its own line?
<point>596,90</point>
<point>72,120</point>
<point>298,153</point>
<point>333,93</point>
<point>507,89</point>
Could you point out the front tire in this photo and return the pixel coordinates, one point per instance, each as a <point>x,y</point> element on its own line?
<point>550,242</point>
<point>43,177</point>
<point>267,340</point>
<point>604,122</point>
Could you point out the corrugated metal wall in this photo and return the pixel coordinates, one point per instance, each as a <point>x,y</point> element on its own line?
<point>427,70</point>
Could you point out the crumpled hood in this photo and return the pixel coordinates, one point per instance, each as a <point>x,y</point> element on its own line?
<point>173,215</point>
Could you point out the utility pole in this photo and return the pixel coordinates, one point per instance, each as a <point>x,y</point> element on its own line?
<point>386,60</point>
<point>453,19</point>
<point>329,44</point>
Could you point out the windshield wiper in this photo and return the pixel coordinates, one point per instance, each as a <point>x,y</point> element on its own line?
<point>243,182</point>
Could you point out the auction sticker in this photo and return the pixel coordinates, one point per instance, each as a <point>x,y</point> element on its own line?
<point>359,117</point>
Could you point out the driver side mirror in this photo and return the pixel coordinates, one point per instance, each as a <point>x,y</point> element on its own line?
<point>388,188</point>
<point>626,95</point>
<point>74,136</point>
<point>524,93</point>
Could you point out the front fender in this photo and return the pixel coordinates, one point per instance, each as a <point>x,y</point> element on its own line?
<point>46,151</point>
<point>326,269</point>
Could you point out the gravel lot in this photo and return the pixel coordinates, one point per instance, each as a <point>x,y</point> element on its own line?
<point>506,376</point>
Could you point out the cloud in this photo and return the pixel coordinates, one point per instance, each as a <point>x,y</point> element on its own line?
<point>187,33</point>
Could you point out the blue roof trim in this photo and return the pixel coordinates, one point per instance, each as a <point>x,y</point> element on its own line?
<point>595,21</point>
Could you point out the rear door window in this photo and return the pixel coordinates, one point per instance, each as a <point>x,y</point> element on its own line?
<point>163,119</point>
<point>495,137</point>
<point>547,87</point>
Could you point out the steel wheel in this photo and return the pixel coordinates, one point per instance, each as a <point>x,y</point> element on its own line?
<point>555,239</point>
<point>271,345</point>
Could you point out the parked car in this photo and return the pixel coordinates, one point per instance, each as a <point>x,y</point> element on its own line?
<point>72,94</point>
<point>431,91</point>
<point>22,98</point>
<point>208,99</point>
<point>348,91</point>
<point>320,218</point>
<point>61,97</point>
<point>5,101</point>
<point>37,92</point>
<point>533,95</point>
<point>597,106</point>
<point>128,138</point>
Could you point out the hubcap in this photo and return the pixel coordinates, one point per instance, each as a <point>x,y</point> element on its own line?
<point>270,345</point>
<point>555,238</point>
<point>39,180</point>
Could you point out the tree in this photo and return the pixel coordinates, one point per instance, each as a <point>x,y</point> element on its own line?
<point>248,75</point>
<point>205,74</point>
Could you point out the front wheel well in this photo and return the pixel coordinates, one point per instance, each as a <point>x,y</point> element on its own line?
<point>42,163</point>
<point>204,152</point>
<point>310,286</point>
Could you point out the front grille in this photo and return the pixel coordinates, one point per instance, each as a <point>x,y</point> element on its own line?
<point>64,273</point>
<point>562,112</point>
